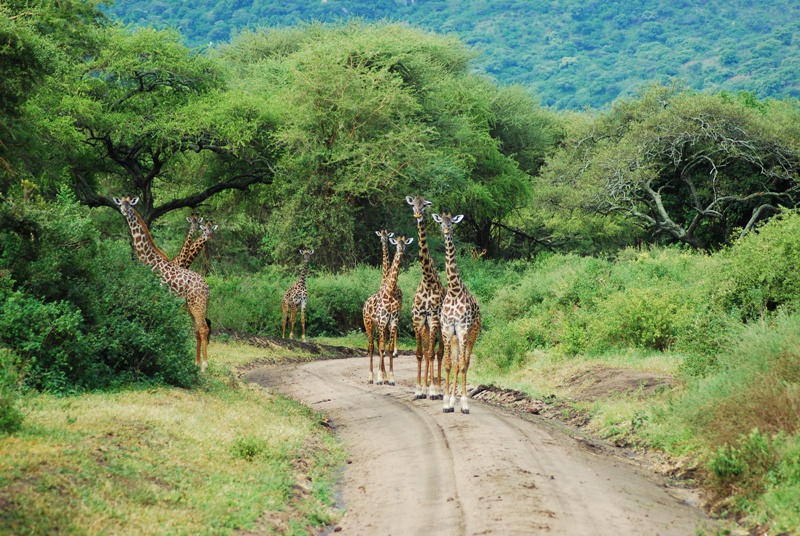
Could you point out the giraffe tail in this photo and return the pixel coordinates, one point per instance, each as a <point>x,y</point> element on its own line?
<point>208,323</point>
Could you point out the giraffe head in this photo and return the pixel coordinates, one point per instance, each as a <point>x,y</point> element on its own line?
<point>419,204</point>
<point>384,235</point>
<point>125,204</point>
<point>401,242</point>
<point>208,228</point>
<point>446,221</point>
<point>195,221</point>
<point>306,253</point>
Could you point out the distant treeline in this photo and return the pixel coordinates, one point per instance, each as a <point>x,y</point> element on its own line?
<point>573,53</point>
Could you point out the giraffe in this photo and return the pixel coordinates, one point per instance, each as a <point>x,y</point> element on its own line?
<point>382,311</point>
<point>194,224</point>
<point>398,294</point>
<point>425,311</point>
<point>460,319</point>
<point>188,285</point>
<point>297,298</point>
<point>187,256</point>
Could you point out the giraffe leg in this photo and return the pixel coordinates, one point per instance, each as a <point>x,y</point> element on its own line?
<point>381,349</point>
<point>436,331</point>
<point>201,331</point>
<point>418,389</point>
<point>285,313</point>
<point>368,325</point>
<point>448,363</point>
<point>466,354</point>
<point>392,351</point>
<point>292,316</point>
<point>303,321</point>
<point>430,386</point>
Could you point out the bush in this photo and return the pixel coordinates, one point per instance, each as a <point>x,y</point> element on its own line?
<point>10,379</point>
<point>759,273</point>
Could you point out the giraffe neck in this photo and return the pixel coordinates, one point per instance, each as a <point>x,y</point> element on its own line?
<point>146,249</point>
<point>454,282</point>
<point>425,260</point>
<point>187,244</point>
<point>391,279</point>
<point>385,261</point>
<point>188,258</point>
<point>301,281</point>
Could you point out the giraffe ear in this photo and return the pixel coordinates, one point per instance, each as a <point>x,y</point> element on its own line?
<point>410,200</point>
<point>436,218</point>
<point>311,252</point>
<point>428,203</point>
<point>214,228</point>
<point>393,241</point>
<point>409,240</point>
<point>391,235</point>
<point>378,233</point>
<point>117,200</point>
<point>134,201</point>
<point>457,219</point>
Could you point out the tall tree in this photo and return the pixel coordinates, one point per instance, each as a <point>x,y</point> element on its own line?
<point>372,113</point>
<point>143,109</point>
<point>690,167</point>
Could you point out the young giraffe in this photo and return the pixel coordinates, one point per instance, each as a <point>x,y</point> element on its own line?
<point>194,224</point>
<point>186,258</point>
<point>382,311</point>
<point>398,294</point>
<point>460,319</point>
<point>185,283</point>
<point>425,311</point>
<point>297,298</point>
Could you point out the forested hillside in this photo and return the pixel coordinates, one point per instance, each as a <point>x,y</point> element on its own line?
<point>572,53</point>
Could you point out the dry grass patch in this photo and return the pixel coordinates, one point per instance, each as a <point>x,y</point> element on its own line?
<point>168,461</point>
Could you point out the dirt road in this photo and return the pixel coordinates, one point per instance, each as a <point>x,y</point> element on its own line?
<point>416,470</point>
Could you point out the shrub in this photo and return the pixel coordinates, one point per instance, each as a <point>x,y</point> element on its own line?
<point>759,272</point>
<point>10,379</point>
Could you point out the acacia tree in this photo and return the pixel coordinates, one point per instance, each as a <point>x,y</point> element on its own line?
<point>370,114</point>
<point>687,166</point>
<point>138,109</point>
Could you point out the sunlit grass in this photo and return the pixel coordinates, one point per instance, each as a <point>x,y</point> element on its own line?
<point>167,460</point>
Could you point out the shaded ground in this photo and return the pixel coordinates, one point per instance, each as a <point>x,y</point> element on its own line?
<point>502,469</point>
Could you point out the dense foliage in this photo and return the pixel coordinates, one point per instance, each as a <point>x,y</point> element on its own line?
<point>77,312</point>
<point>572,53</point>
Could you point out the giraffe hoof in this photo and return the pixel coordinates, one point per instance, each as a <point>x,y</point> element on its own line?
<point>378,383</point>
<point>448,410</point>
<point>423,396</point>
<point>465,411</point>
<point>369,382</point>
<point>391,383</point>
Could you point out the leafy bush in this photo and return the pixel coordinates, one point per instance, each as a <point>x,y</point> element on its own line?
<point>759,273</point>
<point>10,416</point>
<point>78,311</point>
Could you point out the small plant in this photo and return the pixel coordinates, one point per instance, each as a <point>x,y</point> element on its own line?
<point>248,448</point>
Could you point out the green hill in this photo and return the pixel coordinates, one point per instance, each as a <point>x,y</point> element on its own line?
<point>572,53</point>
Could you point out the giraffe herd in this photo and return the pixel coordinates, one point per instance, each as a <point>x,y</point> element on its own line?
<point>447,314</point>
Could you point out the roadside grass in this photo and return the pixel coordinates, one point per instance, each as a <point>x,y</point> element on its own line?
<point>164,460</point>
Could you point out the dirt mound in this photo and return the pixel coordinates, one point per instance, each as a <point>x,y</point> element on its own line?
<point>597,383</point>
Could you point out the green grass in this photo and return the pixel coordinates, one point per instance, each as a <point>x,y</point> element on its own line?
<point>211,460</point>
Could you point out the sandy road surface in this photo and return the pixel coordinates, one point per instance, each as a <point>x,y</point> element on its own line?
<point>416,470</point>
